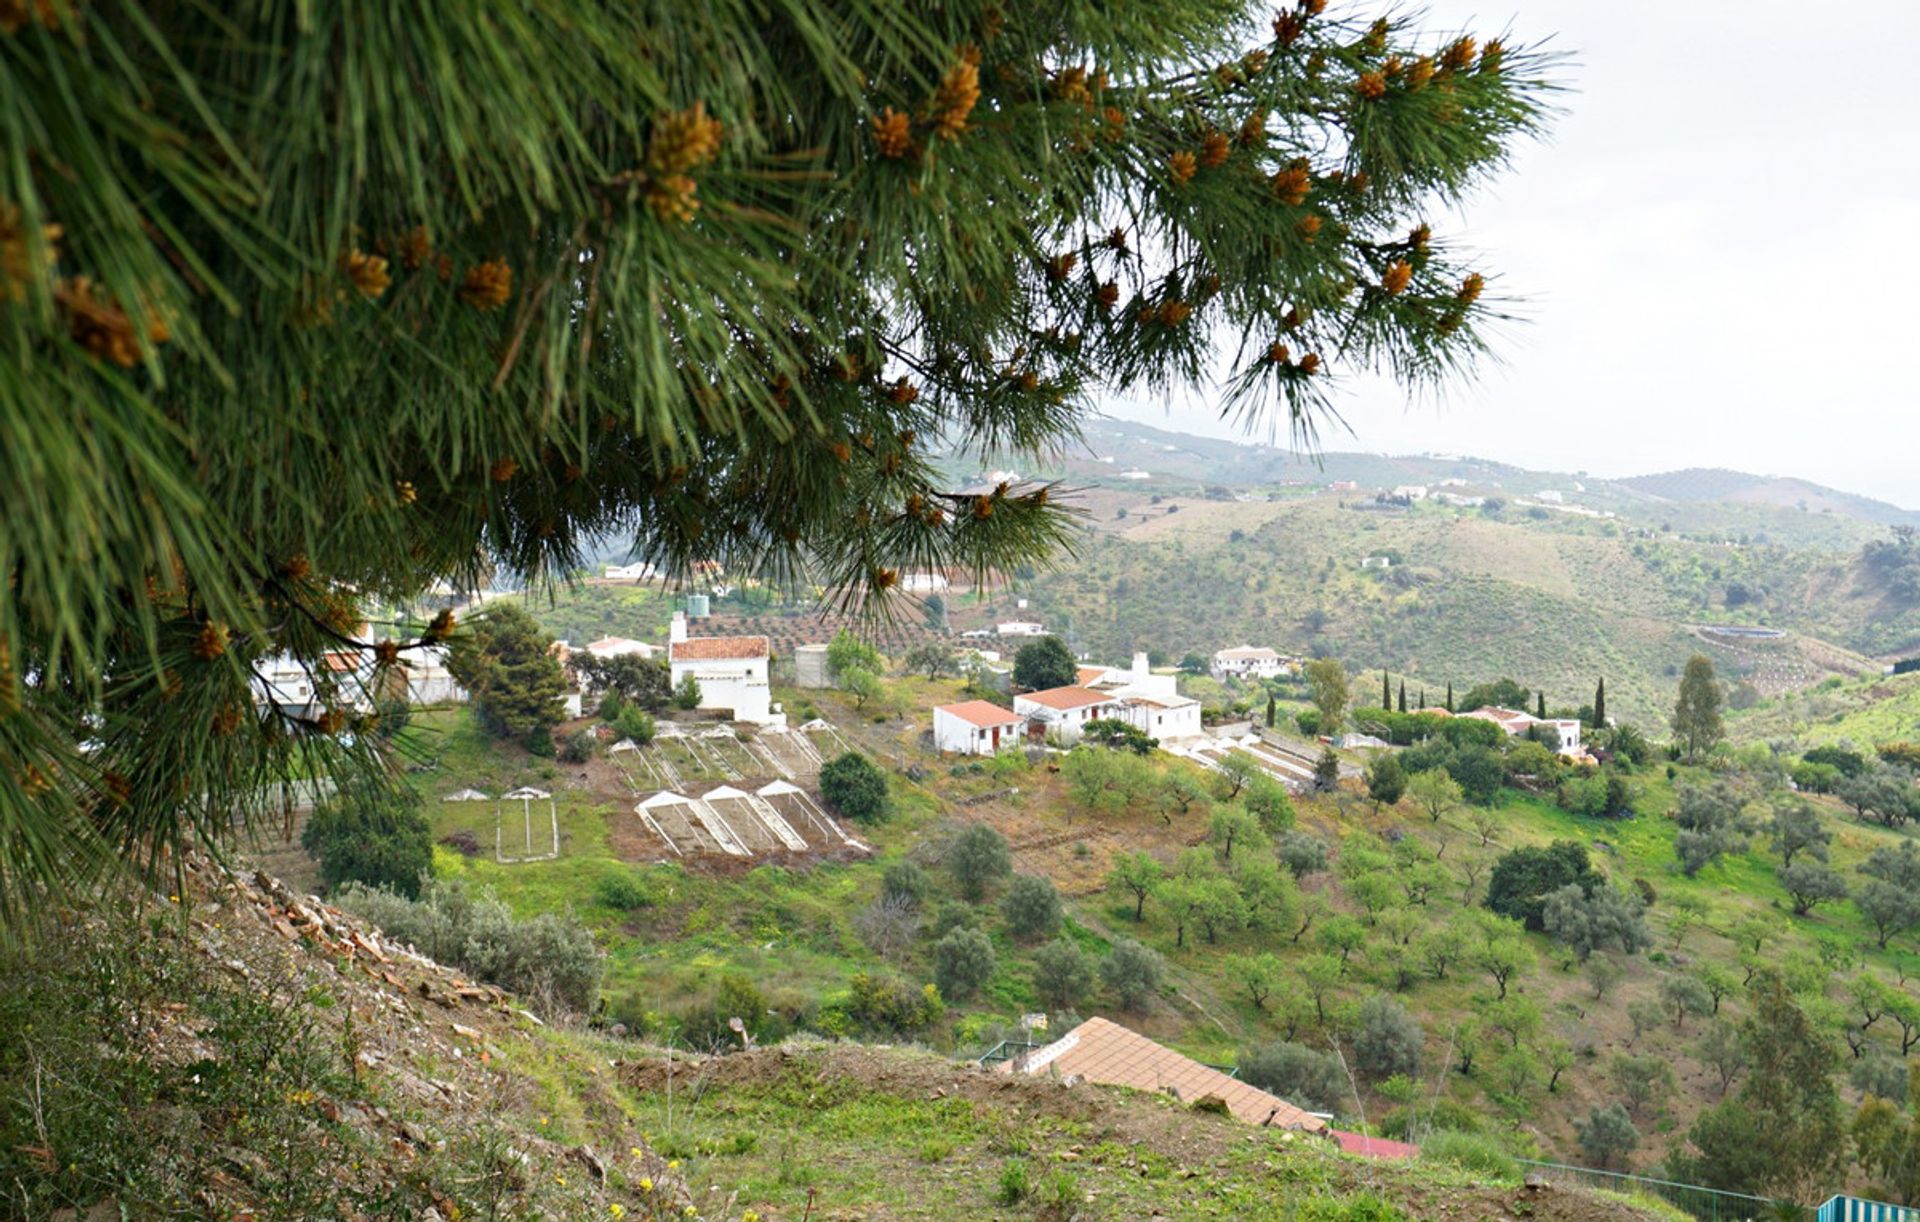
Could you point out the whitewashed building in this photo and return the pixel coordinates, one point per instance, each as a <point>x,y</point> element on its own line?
<point>925,583</point>
<point>1063,712</point>
<point>1514,722</point>
<point>1248,662</point>
<point>620,646</point>
<point>632,572</point>
<point>1162,717</point>
<point>976,727</point>
<point>1020,628</point>
<point>731,672</point>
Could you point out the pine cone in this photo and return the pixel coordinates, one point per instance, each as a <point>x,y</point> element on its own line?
<point>486,286</point>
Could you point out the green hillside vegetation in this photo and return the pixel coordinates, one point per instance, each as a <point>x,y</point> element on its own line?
<point>1512,1033</point>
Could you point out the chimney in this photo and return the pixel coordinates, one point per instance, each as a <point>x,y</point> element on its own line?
<point>1140,668</point>
<point>678,632</point>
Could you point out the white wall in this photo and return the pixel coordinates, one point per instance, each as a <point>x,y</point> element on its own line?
<point>728,684</point>
<point>958,735</point>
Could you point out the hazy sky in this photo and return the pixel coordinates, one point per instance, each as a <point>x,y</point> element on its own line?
<point>1717,246</point>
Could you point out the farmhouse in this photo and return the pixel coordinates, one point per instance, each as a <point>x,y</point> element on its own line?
<point>632,572</point>
<point>620,646</point>
<point>1513,721</point>
<point>925,583</point>
<point>1020,628</point>
<point>1149,702</point>
<point>1248,662</point>
<point>731,672</point>
<point>976,727</point>
<point>1064,712</point>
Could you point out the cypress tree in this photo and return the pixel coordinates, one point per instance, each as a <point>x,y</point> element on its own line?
<point>1270,710</point>
<point>1386,691</point>
<point>1403,695</point>
<point>1540,705</point>
<point>1600,705</point>
<point>1449,697</point>
<point>1423,699</point>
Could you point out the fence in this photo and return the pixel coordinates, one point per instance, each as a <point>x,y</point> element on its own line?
<point>1708,1203</point>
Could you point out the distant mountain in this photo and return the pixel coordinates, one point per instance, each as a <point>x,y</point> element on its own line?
<point>1720,485</point>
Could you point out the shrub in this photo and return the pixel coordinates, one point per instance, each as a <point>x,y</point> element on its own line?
<point>1522,879</point>
<point>977,859</point>
<point>1303,853</point>
<point>1063,975</point>
<point>905,881</point>
<point>1389,1041</point>
<point>1303,1076</point>
<point>380,840</point>
<point>550,960</point>
<point>635,723</point>
<point>855,787</point>
<point>962,962</point>
<point>539,741</point>
<point>578,747</point>
<point>1031,907</point>
<point>881,1003</point>
<point>624,890</point>
<point>1015,1183</point>
<point>1133,973</point>
<point>687,695</point>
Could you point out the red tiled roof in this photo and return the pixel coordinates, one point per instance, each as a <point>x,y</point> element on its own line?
<point>719,648</point>
<point>1105,1052</point>
<point>1087,674</point>
<point>1372,1147</point>
<point>1067,697</point>
<point>340,660</point>
<point>982,713</point>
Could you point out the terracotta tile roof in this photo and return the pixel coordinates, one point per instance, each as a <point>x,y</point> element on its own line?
<point>1373,1147</point>
<point>1087,674</point>
<point>1105,1052</point>
<point>342,660</point>
<point>982,713</point>
<point>719,648</point>
<point>1066,697</point>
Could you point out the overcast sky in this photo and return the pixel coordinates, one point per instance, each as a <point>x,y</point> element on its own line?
<point>1717,246</point>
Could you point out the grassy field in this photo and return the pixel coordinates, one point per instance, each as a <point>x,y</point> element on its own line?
<point>793,929</point>
<point>1865,713</point>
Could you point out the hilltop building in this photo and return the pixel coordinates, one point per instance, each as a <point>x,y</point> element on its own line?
<point>1063,712</point>
<point>731,672</point>
<point>1248,662</point>
<point>976,727</point>
<point>1513,721</point>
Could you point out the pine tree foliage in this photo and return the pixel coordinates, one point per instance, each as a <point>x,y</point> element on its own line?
<point>305,308</point>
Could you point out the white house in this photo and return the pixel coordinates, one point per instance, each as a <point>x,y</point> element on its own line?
<point>428,679</point>
<point>620,646</point>
<point>731,672</point>
<point>1513,721</point>
<point>924,583</point>
<point>1248,662</point>
<point>1163,717</point>
<point>1020,628</point>
<point>976,727</point>
<point>1135,474</point>
<point>632,572</point>
<point>1411,492</point>
<point>1064,712</point>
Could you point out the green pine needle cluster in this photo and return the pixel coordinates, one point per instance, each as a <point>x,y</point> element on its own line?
<point>306,307</point>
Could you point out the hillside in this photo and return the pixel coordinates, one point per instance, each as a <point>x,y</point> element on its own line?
<point>802,940</point>
<point>269,1056</point>
<point>1717,484</point>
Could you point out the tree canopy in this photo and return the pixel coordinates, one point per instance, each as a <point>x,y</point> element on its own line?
<point>1043,664</point>
<point>300,317</point>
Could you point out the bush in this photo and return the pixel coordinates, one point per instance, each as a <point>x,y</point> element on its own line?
<point>1133,973</point>
<point>635,723</point>
<point>1063,975</point>
<point>578,747</point>
<point>977,859</point>
<point>1389,1041</point>
<point>381,840</point>
<point>1303,853</point>
<point>906,881</point>
<point>539,741</point>
<point>962,962</point>
<point>880,1003</point>
<point>1303,1076</point>
<point>623,890</point>
<point>852,785</point>
<point>549,960</point>
<point>687,695</point>
<point>1522,879</point>
<point>1472,1152</point>
<point>1031,907</point>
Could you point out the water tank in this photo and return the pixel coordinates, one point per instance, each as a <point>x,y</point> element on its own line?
<point>810,666</point>
<point>697,606</point>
